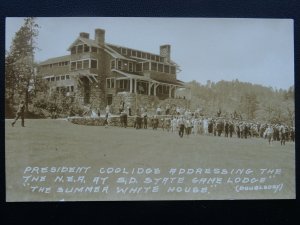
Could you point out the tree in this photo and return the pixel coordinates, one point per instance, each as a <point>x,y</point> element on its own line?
<point>19,70</point>
<point>249,104</point>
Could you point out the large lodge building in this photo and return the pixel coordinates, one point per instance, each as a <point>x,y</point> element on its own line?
<point>97,73</point>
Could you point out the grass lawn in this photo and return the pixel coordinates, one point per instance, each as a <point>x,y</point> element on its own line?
<point>57,143</point>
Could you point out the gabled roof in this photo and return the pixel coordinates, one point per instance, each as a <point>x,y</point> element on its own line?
<point>56,60</point>
<point>87,41</point>
<point>108,48</point>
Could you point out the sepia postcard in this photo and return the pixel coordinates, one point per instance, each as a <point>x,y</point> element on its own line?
<point>110,109</point>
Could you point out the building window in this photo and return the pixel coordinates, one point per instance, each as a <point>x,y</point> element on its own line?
<point>62,77</point>
<point>131,67</point>
<point>113,64</point>
<point>128,52</point>
<point>86,48</point>
<point>79,48</point>
<point>86,64</point>
<point>73,50</point>
<point>72,88</point>
<point>57,78</point>
<point>110,82</point>
<point>124,51</point>
<point>144,55</point>
<point>148,56</point>
<point>66,63</point>
<point>173,70</point>
<point>67,77</point>
<point>139,54</point>
<point>79,65</point>
<point>139,67</point>
<point>161,59</point>
<point>123,84</point>
<point>119,64</point>
<point>50,65</point>
<point>94,49</point>
<point>166,69</point>
<point>94,63</point>
<point>48,79</point>
<point>52,78</point>
<point>73,65</point>
<point>154,66</point>
<point>160,67</point>
<point>133,53</point>
<point>153,57</point>
<point>146,66</point>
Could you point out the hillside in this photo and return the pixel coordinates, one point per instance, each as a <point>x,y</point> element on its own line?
<point>251,101</point>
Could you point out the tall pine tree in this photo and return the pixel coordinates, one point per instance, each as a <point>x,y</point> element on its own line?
<point>19,63</point>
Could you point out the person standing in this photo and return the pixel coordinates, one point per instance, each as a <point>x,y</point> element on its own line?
<point>231,128</point>
<point>226,128</point>
<point>145,117</point>
<point>181,123</point>
<point>20,113</point>
<point>269,133</point>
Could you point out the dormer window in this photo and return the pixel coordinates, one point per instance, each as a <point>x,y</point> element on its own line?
<point>94,49</point>
<point>86,48</point>
<point>124,51</point>
<point>79,48</point>
<point>73,50</point>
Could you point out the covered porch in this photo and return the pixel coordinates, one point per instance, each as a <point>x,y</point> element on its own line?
<point>146,86</point>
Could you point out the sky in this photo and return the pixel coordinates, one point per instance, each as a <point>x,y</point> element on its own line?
<point>259,51</point>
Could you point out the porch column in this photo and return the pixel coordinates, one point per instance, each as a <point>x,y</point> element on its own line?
<point>135,85</point>
<point>149,88</point>
<point>130,86</point>
<point>155,86</point>
<point>170,91</point>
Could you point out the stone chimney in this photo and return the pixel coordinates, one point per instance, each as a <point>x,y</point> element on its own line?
<point>84,35</point>
<point>100,36</point>
<point>165,51</point>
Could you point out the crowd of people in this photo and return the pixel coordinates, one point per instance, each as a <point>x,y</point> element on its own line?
<point>192,123</point>
<point>183,121</point>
